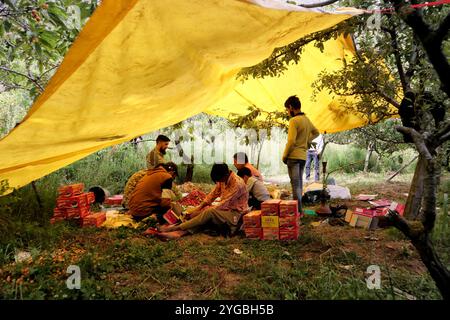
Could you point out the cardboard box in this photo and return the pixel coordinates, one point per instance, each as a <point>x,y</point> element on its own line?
<point>270,222</point>
<point>77,212</point>
<point>289,221</point>
<point>95,219</point>
<point>90,197</point>
<point>270,207</point>
<point>78,201</point>
<point>53,220</point>
<point>171,217</point>
<point>59,213</point>
<point>365,222</point>
<point>253,233</point>
<point>115,200</point>
<point>71,190</point>
<point>252,219</point>
<point>348,215</point>
<point>365,212</point>
<point>289,234</point>
<point>270,233</point>
<point>288,208</point>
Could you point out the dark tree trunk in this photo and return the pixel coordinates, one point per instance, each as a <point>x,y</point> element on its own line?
<point>186,160</point>
<point>414,201</point>
<point>368,155</point>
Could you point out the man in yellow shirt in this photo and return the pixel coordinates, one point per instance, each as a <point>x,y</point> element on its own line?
<point>301,132</point>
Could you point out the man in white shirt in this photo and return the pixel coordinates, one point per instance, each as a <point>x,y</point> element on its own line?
<point>314,154</point>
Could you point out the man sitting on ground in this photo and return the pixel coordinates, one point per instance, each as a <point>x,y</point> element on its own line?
<point>131,185</point>
<point>147,197</point>
<point>233,203</point>
<point>258,192</point>
<point>241,161</point>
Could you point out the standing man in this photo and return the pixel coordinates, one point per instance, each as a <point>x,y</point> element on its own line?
<point>313,154</point>
<point>240,160</point>
<point>156,156</point>
<point>301,132</point>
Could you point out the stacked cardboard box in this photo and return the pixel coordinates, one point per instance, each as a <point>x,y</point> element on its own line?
<point>252,225</point>
<point>270,213</point>
<point>277,220</point>
<point>94,219</point>
<point>289,220</point>
<point>72,203</point>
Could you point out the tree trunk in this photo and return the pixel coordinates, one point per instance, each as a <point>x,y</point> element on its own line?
<point>259,154</point>
<point>414,201</point>
<point>439,273</point>
<point>186,160</point>
<point>368,155</point>
<point>190,171</point>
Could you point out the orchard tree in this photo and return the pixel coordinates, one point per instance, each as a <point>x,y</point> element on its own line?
<point>401,68</point>
<point>34,37</point>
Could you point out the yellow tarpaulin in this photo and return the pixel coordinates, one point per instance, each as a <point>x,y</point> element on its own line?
<point>140,65</point>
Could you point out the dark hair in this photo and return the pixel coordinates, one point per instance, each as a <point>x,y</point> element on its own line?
<point>244,172</point>
<point>294,102</point>
<point>162,138</point>
<point>218,171</point>
<point>169,166</point>
<point>239,156</point>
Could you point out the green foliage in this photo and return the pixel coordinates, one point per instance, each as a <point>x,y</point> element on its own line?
<point>34,37</point>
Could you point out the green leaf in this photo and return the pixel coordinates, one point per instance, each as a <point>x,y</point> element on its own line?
<point>10,4</point>
<point>50,39</point>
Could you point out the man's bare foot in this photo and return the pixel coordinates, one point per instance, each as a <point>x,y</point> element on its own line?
<point>167,228</point>
<point>165,236</point>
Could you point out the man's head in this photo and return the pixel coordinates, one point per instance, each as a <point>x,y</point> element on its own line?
<point>293,105</point>
<point>240,159</point>
<point>244,173</point>
<point>220,172</point>
<point>170,167</point>
<point>162,143</point>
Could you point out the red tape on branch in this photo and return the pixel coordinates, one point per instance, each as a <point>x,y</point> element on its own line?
<point>414,6</point>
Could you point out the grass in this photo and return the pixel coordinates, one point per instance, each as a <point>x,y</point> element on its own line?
<point>325,263</point>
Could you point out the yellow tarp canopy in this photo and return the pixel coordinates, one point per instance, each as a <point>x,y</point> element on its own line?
<point>140,65</point>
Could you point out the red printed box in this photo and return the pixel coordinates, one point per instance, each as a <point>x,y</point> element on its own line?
<point>115,200</point>
<point>270,207</point>
<point>59,213</point>
<point>288,208</point>
<point>95,219</point>
<point>56,219</point>
<point>365,212</point>
<point>171,217</point>
<point>252,219</point>
<point>290,221</point>
<point>289,234</point>
<point>90,197</point>
<point>72,202</point>
<point>77,212</point>
<point>253,233</point>
<point>71,190</point>
<point>270,233</point>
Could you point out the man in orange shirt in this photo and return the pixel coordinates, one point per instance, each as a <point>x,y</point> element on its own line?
<point>233,203</point>
<point>241,161</point>
<point>146,199</point>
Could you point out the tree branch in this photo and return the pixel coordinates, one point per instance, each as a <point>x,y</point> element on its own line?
<point>320,4</point>
<point>443,29</point>
<point>418,140</point>
<point>23,75</point>
<point>398,59</point>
